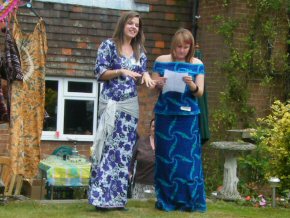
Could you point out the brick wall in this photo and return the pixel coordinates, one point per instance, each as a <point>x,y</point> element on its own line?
<point>164,18</point>
<point>214,51</point>
<point>48,147</point>
<point>212,47</point>
<point>75,32</point>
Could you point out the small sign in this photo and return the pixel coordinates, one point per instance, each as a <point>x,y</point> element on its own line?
<point>184,108</point>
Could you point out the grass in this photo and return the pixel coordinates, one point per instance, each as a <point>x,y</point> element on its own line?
<point>137,209</point>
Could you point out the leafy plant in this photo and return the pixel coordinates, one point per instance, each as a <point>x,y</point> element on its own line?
<point>273,137</point>
<point>272,156</point>
<point>254,55</point>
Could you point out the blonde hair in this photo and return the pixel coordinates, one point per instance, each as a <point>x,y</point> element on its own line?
<point>137,43</point>
<point>182,36</point>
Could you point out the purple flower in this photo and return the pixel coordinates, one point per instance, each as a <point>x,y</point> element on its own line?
<point>107,59</point>
<point>107,195</point>
<point>116,187</point>
<point>122,115</point>
<point>96,194</point>
<point>118,126</point>
<point>121,144</point>
<point>128,117</point>
<point>127,147</point>
<point>106,166</point>
<point>121,174</point>
<point>103,46</point>
<point>114,157</point>
<point>262,201</point>
<point>122,87</point>
<point>118,156</point>
<point>131,136</point>
<point>94,173</point>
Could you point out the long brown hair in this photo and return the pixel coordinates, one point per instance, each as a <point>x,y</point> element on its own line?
<point>137,43</point>
<point>182,36</point>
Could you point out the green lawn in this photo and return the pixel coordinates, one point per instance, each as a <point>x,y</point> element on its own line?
<point>142,209</point>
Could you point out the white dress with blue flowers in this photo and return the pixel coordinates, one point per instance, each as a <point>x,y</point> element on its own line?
<point>109,179</point>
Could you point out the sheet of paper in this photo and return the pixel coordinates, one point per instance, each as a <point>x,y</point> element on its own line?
<point>174,82</point>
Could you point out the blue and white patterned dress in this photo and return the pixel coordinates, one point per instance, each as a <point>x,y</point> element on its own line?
<point>109,179</point>
<point>179,181</point>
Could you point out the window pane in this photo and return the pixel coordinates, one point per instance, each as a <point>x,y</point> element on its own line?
<point>80,87</point>
<point>51,91</point>
<point>78,117</point>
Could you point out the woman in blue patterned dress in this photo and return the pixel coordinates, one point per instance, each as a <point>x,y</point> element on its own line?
<point>120,63</point>
<point>179,181</point>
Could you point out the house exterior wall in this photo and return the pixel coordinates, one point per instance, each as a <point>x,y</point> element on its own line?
<point>74,33</point>
<point>214,51</point>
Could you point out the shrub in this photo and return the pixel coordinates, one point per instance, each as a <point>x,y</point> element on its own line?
<point>273,138</point>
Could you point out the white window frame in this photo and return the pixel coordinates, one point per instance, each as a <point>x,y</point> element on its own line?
<point>63,95</point>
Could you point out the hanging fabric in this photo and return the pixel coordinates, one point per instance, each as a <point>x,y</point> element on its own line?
<point>203,106</point>
<point>11,69</point>
<point>27,100</point>
<point>3,106</point>
<point>6,8</point>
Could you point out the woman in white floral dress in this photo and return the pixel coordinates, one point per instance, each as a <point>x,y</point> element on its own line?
<point>120,63</point>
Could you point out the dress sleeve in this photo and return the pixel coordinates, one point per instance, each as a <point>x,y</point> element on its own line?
<point>103,60</point>
<point>201,69</point>
<point>143,62</point>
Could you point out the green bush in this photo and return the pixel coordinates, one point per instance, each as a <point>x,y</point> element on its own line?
<point>273,139</point>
